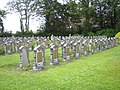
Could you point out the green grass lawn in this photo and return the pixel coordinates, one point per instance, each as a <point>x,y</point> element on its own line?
<point>100,71</point>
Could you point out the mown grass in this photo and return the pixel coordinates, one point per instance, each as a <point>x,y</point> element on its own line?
<point>100,71</point>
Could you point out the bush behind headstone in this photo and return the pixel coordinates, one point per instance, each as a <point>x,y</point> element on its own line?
<point>1,50</point>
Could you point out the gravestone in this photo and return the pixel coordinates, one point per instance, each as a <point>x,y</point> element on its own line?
<point>109,43</point>
<point>62,43</point>
<point>76,50</point>
<point>13,46</point>
<point>38,42</point>
<point>46,43</point>
<point>39,57</point>
<point>71,44</point>
<point>91,47</point>
<point>19,44</point>
<point>29,45</point>
<point>66,52</point>
<point>84,48</point>
<point>96,45</point>
<point>54,55</point>
<point>24,56</point>
<point>8,48</point>
<point>101,45</point>
<point>114,41</point>
<point>104,44</point>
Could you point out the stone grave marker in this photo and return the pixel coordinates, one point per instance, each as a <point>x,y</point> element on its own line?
<point>84,48</point>
<point>62,43</point>
<point>13,46</point>
<point>96,45</point>
<point>76,50</point>
<point>38,42</point>
<point>101,45</point>
<point>39,57</point>
<point>104,44</point>
<point>29,45</point>
<point>114,41</point>
<point>66,52</point>
<point>109,43</point>
<point>54,55</point>
<point>91,47</point>
<point>24,56</point>
<point>8,48</point>
<point>19,44</point>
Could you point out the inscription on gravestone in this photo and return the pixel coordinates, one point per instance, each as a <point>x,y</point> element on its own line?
<point>38,57</point>
<point>54,55</point>
<point>66,52</point>
<point>24,56</point>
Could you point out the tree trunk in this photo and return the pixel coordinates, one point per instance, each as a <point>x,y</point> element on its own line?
<point>21,25</point>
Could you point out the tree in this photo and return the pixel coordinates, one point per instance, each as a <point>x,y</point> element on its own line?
<point>24,9</point>
<point>58,17</point>
<point>2,15</point>
<point>107,13</point>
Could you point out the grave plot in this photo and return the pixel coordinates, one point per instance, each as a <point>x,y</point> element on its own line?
<point>109,43</point>
<point>38,42</point>
<point>96,45</point>
<point>76,49</point>
<point>91,47</point>
<point>62,47</point>
<point>71,44</point>
<point>46,45</point>
<point>84,48</point>
<point>29,45</point>
<point>39,57</point>
<point>13,46</point>
<point>8,47</point>
<point>24,56</point>
<point>101,45</point>
<point>105,44</point>
<point>66,52</point>
<point>114,42</point>
<point>18,45</point>
<point>54,55</point>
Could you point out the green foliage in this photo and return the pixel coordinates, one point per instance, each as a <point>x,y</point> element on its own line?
<point>18,33</point>
<point>25,68</point>
<point>118,34</point>
<point>1,49</point>
<point>107,32</point>
<point>90,34</point>
<point>118,27</point>
<point>29,33</point>
<point>3,13</point>
<point>6,34</point>
<point>24,34</point>
<point>55,33</point>
<point>73,16</point>
<point>76,35</point>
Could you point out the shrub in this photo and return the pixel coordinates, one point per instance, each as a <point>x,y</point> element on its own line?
<point>29,33</point>
<point>90,34</point>
<point>1,50</point>
<point>6,34</point>
<point>118,34</point>
<point>76,35</point>
<point>18,33</point>
<point>107,32</point>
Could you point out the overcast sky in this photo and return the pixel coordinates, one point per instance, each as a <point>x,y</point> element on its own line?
<point>11,22</point>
